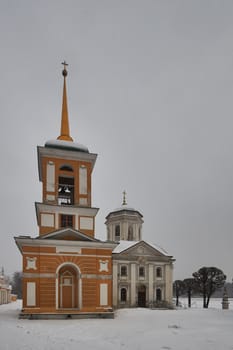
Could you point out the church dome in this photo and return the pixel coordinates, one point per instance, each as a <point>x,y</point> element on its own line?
<point>124,209</point>
<point>124,223</point>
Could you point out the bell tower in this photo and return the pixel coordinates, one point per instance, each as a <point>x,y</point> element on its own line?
<point>65,170</point>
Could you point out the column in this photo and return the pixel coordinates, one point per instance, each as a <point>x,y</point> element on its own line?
<point>168,282</point>
<point>115,284</point>
<point>151,282</point>
<point>133,285</point>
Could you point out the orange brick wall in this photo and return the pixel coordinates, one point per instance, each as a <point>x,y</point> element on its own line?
<point>48,262</point>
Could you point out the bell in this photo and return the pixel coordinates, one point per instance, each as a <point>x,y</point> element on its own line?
<point>67,190</point>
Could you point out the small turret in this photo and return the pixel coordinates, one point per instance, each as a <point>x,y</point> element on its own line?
<point>124,223</point>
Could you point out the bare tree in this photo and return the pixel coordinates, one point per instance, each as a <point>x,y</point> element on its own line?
<point>190,286</point>
<point>17,284</point>
<point>209,279</point>
<point>178,288</point>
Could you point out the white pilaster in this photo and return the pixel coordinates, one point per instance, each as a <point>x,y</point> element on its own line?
<point>133,285</point>
<point>124,233</point>
<point>114,284</point>
<point>168,283</point>
<point>151,280</point>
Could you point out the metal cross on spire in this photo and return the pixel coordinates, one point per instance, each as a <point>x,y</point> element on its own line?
<point>64,64</point>
<point>64,72</point>
<point>124,198</point>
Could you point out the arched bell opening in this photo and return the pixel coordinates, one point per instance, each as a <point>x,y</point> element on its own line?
<point>65,190</point>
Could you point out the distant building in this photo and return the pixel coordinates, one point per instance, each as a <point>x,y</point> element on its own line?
<point>5,289</point>
<point>142,272</point>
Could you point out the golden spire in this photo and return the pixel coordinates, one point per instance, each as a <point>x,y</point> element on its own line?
<point>124,198</point>
<point>65,129</point>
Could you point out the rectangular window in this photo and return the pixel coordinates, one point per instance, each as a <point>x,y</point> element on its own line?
<point>67,220</point>
<point>141,271</point>
<point>123,270</point>
<point>158,272</point>
<point>117,232</point>
<point>123,295</point>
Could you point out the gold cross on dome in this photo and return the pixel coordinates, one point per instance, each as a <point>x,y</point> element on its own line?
<point>64,64</point>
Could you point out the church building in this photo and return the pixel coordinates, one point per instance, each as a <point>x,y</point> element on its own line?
<point>5,289</point>
<point>67,272</point>
<point>142,272</point>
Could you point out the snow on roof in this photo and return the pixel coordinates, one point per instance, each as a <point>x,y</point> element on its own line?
<point>123,245</point>
<point>66,144</point>
<point>124,207</point>
<point>157,247</point>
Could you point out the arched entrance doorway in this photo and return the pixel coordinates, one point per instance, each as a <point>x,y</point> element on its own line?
<point>158,294</point>
<point>123,295</point>
<point>68,287</point>
<point>142,296</point>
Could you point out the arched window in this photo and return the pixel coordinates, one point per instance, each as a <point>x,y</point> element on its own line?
<point>130,233</point>
<point>123,295</point>
<point>117,232</point>
<point>123,270</point>
<point>141,271</point>
<point>159,272</point>
<point>66,168</point>
<point>158,294</point>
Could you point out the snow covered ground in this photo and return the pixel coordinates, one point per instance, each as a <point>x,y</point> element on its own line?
<point>182,329</point>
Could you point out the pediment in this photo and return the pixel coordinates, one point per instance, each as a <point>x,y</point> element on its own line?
<point>141,249</point>
<point>68,234</point>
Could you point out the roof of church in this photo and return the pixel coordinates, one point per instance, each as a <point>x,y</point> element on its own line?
<point>124,245</point>
<point>68,145</point>
<point>126,209</point>
<point>67,237</point>
<point>70,232</point>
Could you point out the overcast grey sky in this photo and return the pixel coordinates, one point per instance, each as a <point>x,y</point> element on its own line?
<point>150,89</point>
